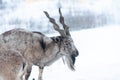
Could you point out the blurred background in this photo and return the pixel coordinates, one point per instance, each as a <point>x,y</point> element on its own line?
<point>79,14</point>
<point>95,29</point>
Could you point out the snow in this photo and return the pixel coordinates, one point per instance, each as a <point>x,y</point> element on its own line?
<point>99,57</point>
<point>23,13</point>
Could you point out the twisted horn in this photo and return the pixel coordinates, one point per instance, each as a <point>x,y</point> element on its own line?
<point>56,26</point>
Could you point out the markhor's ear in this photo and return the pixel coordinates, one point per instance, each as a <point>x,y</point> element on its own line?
<point>54,39</point>
<point>57,39</point>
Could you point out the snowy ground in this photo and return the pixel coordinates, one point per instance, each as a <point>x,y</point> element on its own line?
<point>99,57</point>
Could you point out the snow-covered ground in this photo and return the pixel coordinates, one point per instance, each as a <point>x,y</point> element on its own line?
<point>99,57</point>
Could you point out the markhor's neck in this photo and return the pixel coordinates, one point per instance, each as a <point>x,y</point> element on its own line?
<point>54,51</point>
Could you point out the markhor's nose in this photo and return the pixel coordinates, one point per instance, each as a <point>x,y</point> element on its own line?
<point>75,53</point>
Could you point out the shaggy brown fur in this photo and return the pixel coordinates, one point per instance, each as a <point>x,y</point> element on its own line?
<point>12,65</point>
<point>38,49</point>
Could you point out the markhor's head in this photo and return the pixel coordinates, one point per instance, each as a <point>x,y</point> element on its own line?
<point>70,52</point>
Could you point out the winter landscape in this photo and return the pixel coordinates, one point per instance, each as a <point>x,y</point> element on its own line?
<point>99,57</point>
<point>99,46</point>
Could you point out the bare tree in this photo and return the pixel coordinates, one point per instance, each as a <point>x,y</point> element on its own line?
<point>40,50</point>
